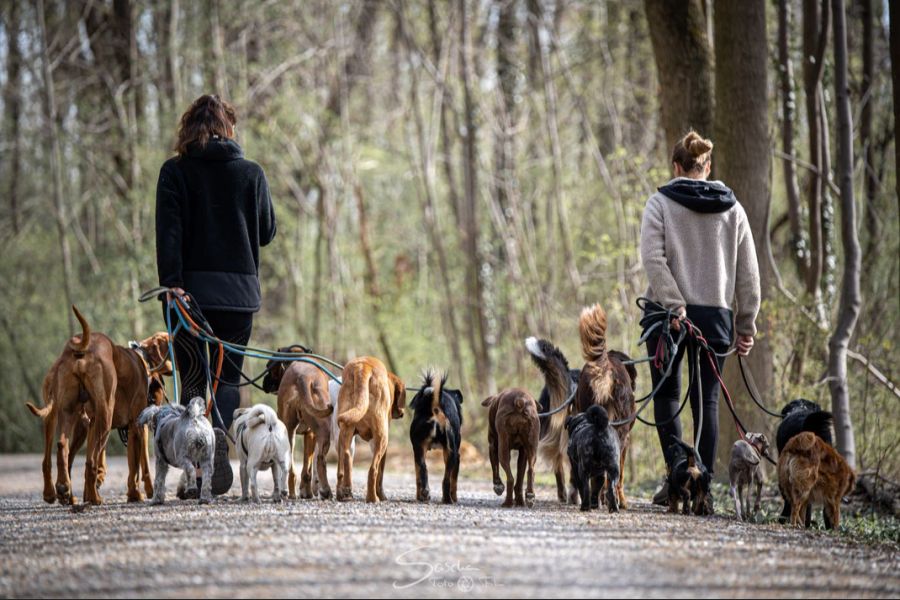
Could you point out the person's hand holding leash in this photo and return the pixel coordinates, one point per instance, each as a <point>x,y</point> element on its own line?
<point>676,322</point>
<point>744,344</point>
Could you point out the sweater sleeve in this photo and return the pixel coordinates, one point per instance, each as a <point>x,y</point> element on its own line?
<point>747,286</point>
<point>169,230</point>
<point>266,212</point>
<point>653,257</point>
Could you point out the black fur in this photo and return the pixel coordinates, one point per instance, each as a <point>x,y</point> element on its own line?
<point>552,364</point>
<point>798,416</point>
<point>427,432</point>
<point>692,492</point>
<point>594,456</point>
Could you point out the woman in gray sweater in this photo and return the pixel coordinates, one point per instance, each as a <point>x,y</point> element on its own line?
<point>700,260</point>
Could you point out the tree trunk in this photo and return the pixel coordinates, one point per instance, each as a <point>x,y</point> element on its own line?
<point>172,39</point>
<point>870,175</point>
<point>478,325</point>
<point>743,161</point>
<point>56,168</point>
<point>683,65</point>
<point>12,100</point>
<point>895,79</point>
<point>217,44</point>
<point>788,104</point>
<point>850,302</point>
<point>507,73</point>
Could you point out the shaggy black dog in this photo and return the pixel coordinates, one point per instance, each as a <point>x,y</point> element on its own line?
<point>798,416</point>
<point>594,456</point>
<point>689,480</point>
<point>436,423</point>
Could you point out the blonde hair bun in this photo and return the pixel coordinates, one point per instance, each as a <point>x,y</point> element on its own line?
<point>697,145</point>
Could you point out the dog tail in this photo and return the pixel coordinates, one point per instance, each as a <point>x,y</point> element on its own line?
<point>597,416</point>
<point>39,412</point>
<point>82,344</point>
<point>356,386</point>
<point>196,407</point>
<point>555,368</point>
<point>148,416</point>
<point>313,397</point>
<point>819,423</point>
<point>592,328</point>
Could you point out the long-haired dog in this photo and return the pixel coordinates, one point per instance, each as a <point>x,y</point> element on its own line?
<point>605,379</point>
<point>261,441</point>
<point>185,440</point>
<point>369,398</point>
<point>513,425</point>
<point>436,423</point>
<point>745,469</point>
<point>689,480</point>
<point>594,457</point>
<point>798,416</point>
<point>94,386</point>
<point>305,407</point>
<point>811,471</point>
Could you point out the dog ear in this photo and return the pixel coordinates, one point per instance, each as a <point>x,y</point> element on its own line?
<point>399,400</point>
<point>157,348</point>
<point>488,401</point>
<point>456,395</point>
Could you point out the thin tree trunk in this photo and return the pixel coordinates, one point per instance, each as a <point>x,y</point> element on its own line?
<point>850,302</point>
<point>870,175</point>
<point>50,113</point>
<point>12,100</point>
<point>788,104</point>
<point>895,80</point>
<point>172,53</point>
<point>220,81</point>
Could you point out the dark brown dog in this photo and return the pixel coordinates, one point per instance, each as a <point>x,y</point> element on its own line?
<point>370,397</point>
<point>304,407</point>
<point>810,470</point>
<point>92,387</point>
<point>513,425</point>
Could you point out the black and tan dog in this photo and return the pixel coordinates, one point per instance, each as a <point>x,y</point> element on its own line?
<point>689,480</point>
<point>594,457</point>
<point>436,423</point>
<point>513,425</point>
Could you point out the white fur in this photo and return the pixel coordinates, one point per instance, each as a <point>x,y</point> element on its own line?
<point>266,441</point>
<point>531,344</point>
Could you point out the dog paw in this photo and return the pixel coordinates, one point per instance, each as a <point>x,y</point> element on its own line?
<point>499,488</point>
<point>205,500</point>
<point>507,504</point>
<point>325,493</point>
<point>157,502</point>
<point>277,499</point>
<point>135,497</point>
<point>49,498</point>
<point>529,500</point>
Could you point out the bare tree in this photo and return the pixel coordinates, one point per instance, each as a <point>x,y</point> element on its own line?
<point>788,105</point>
<point>12,101</point>
<point>895,79</point>
<point>850,302</point>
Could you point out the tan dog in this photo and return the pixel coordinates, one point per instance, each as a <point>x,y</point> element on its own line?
<point>92,387</point>
<point>370,397</point>
<point>810,470</point>
<point>304,407</point>
<point>513,425</point>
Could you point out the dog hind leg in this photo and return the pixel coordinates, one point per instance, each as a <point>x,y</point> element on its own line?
<point>737,501</point>
<point>345,464</point>
<point>206,469</point>
<point>520,477</point>
<point>529,489</point>
<point>245,481</point>
<point>423,494</point>
<point>134,464</point>
<point>309,447</point>
<point>159,485</point>
<point>323,442</point>
<point>504,456</point>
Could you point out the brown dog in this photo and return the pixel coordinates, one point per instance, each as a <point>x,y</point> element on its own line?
<point>370,397</point>
<point>513,425</point>
<point>304,407</point>
<point>810,470</point>
<point>92,387</point>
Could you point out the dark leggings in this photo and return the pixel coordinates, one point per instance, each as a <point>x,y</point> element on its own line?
<point>189,354</point>
<point>668,399</point>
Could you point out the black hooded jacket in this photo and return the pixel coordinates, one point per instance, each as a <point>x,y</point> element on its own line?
<point>700,195</point>
<point>213,212</point>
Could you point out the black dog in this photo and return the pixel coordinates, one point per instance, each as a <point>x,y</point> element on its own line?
<point>798,416</point>
<point>594,456</point>
<point>689,480</point>
<point>436,423</point>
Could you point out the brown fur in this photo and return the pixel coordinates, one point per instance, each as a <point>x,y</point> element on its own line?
<point>513,425</point>
<point>370,396</point>
<point>305,408</point>
<point>810,470</point>
<point>605,381</point>
<point>93,387</point>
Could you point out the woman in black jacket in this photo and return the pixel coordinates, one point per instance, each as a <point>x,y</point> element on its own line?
<point>213,213</point>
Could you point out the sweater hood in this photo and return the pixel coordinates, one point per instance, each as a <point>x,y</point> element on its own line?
<point>216,149</point>
<point>699,195</point>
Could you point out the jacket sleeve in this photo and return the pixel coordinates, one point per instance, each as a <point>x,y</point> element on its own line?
<point>266,212</point>
<point>169,229</point>
<point>747,286</point>
<point>653,257</point>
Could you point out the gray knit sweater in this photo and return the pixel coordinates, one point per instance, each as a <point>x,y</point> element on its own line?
<point>698,251</point>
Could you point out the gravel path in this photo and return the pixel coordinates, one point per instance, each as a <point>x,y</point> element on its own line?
<point>401,548</point>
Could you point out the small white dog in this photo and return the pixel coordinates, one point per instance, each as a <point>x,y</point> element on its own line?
<point>261,441</point>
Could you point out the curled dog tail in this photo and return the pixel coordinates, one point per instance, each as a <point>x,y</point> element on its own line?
<point>597,416</point>
<point>592,328</point>
<point>819,423</point>
<point>82,344</point>
<point>314,393</point>
<point>39,412</point>
<point>555,368</point>
<point>148,416</point>
<point>355,386</point>
<point>196,407</point>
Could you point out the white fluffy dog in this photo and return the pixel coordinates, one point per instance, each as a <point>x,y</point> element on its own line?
<point>185,440</point>
<point>261,441</point>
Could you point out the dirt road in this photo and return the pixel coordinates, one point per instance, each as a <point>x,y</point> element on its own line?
<point>401,548</point>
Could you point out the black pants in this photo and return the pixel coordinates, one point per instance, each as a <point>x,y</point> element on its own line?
<point>668,399</point>
<point>189,357</point>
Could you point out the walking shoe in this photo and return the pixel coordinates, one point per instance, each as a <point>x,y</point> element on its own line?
<point>223,476</point>
<point>661,497</point>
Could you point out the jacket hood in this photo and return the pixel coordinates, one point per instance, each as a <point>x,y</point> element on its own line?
<point>699,195</point>
<point>216,149</point>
